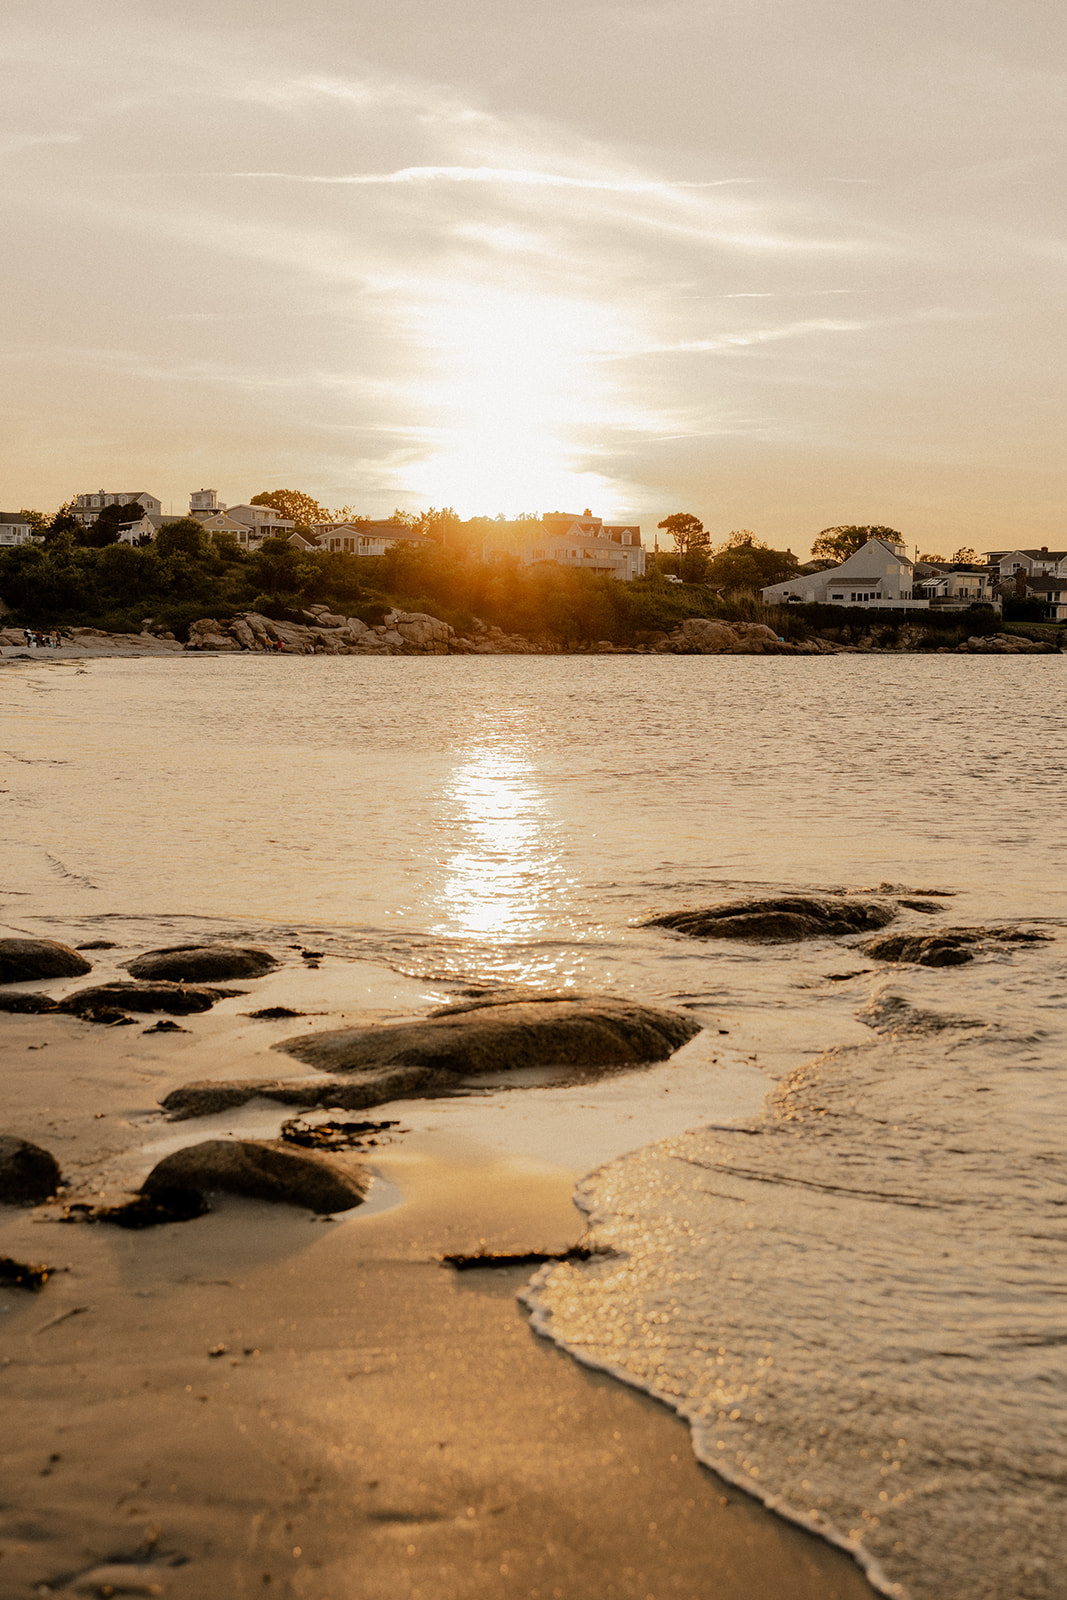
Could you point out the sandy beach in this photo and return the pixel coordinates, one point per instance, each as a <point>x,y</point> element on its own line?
<point>265,1402</point>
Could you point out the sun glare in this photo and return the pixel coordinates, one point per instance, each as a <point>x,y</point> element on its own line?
<point>514,391</point>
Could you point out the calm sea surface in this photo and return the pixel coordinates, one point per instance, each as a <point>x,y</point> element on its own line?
<point>858,1299</point>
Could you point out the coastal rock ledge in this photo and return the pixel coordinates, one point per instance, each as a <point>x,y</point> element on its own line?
<point>416,633</point>
<point>779,920</point>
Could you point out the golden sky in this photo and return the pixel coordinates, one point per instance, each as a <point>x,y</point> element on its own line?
<point>781,263</point>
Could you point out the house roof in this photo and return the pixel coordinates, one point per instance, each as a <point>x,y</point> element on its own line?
<point>13,516</point>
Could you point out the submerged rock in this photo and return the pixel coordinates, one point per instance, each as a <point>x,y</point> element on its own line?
<point>576,1033</point>
<point>178,999</point>
<point>949,947</point>
<point>203,963</point>
<point>28,1174</point>
<point>779,919</point>
<point>23,960</point>
<point>260,1169</point>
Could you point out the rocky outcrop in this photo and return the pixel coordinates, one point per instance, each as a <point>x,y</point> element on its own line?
<point>28,1174</point>
<point>778,920</point>
<point>1006,644</point>
<point>949,947</point>
<point>328,633</point>
<point>578,1034</point>
<point>261,1169</point>
<point>202,963</point>
<point>24,960</point>
<point>700,636</point>
<point>177,999</point>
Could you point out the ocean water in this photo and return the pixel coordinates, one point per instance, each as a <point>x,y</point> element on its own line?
<point>858,1298</point>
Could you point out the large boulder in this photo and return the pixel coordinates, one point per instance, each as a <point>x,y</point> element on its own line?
<point>203,963</point>
<point>261,1169</point>
<point>28,1174</point>
<point>949,947</point>
<point>576,1033</point>
<point>779,919</point>
<point>23,960</point>
<point>177,999</point>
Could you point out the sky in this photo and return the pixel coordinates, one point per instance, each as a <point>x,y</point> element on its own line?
<point>783,264</point>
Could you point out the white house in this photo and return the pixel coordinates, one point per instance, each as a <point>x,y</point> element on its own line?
<point>363,538</point>
<point>955,588</point>
<point>87,507</point>
<point>878,574</point>
<point>583,541</point>
<point>14,529</point>
<point>1042,563</point>
<point>263,520</point>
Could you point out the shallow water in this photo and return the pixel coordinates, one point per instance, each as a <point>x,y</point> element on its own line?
<point>880,1257</point>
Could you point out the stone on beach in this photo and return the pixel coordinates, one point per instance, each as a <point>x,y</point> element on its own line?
<point>949,947</point>
<point>359,1092</point>
<point>27,1001</point>
<point>23,960</point>
<point>202,963</point>
<point>261,1169</point>
<point>779,919</point>
<point>575,1033</point>
<point>176,998</point>
<point>28,1174</point>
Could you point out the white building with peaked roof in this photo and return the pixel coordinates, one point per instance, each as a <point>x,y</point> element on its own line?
<point>87,507</point>
<point>877,574</point>
<point>1041,563</point>
<point>14,529</point>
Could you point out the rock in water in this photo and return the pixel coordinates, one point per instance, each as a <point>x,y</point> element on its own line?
<point>261,1169</point>
<point>576,1033</point>
<point>950,947</point>
<point>178,999</point>
<point>202,963</point>
<point>28,1174</point>
<point>23,960</point>
<point>777,920</point>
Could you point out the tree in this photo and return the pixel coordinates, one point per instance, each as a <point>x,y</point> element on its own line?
<point>841,542</point>
<point>935,559</point>
<point>686,530</point>
<point>293,504</point>
<point>346,514</point>
<point>64,521</point>
<point>964,554</point>
<point>105,530</point>
<point>184,537</point>
<point>37,520</point>
<point>438,524</point>
<point>744,562</point>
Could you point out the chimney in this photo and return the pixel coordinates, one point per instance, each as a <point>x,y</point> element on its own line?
<point>1020,583</point>
<point>1044,549</point>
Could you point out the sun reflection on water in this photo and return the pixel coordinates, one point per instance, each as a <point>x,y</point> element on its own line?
<point>505,851</point>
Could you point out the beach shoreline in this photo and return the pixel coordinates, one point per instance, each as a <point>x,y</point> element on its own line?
<point>264,1402</point>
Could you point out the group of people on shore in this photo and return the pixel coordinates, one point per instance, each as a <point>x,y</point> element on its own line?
<point>37,640</point>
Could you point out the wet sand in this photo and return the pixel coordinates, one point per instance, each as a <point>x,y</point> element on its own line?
<point>261,1402</point>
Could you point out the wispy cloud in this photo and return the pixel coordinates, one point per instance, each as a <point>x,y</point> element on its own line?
<point>521,177</point>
